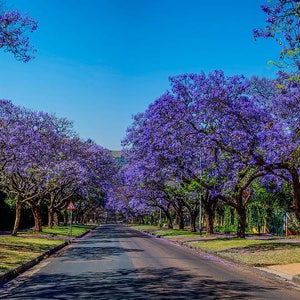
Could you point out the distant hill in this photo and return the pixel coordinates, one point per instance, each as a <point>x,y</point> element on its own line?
<point>118,157</point>
<point>116,153</point>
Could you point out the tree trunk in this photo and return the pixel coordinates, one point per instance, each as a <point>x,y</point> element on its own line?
<point>193,216</point>
<point>297,208</point>
<point>179,212</point>
<point>50,217</point>
<point>296,192</point>
<point>37,218</point>
<point>180,219</point>
<point>209,203</point>
<point>56,218</point>
<point>141,219</point>
<point>17,218</point>
<point>168,216</point>
<point>242,221</point>
<point>209,219</point>
<point>268,220</point>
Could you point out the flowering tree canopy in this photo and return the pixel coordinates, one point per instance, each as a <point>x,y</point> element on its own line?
<point>43,162</point>
<point>13,34</point>
<point>222,133</point>
<point>283,24</point>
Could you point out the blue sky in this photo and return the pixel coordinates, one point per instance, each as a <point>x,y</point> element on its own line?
<point>99,62</point>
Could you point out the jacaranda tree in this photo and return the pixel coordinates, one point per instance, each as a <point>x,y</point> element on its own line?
<point>283,24</point>
<point>44,164</point>
<point>283,159</point>
<point>13,34</point>
<point>24,175</point>
<point>211,130</point>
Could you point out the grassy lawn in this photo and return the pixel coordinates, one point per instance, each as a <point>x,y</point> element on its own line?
<point>254,251</point>
<point>148,228</point>
<point>175,233</point>
<point>166,232</point>
<point>64,231</point>
<point>16,250</point>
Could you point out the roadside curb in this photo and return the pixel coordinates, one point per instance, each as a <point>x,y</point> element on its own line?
<point>274,275</point>
<point>25,266</point>
<point>295,280</point>
<point>11,274</point>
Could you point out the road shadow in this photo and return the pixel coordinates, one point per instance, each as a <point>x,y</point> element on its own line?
<point>101,244</point>
<point>124,281</point>
<point>147,283</point>
<point>94,253</point>
<point>108,233</point>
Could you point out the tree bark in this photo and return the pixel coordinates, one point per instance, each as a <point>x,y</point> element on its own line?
<point>179,212</point>
<point>210,204</point>
<point>180,219</point>
<point>56,218</point>
<point>141,219</point>
<point>296,192</point>
<point>242,221</point>
<point>168,216</point>
<point>50,217</point>
<point>17,218</point>
<point>37,217</point>
<point>193,216</point>
<point>209,219</point>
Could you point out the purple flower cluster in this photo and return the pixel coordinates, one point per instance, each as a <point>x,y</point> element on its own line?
<point>283,24</point>
<point>13,38</point>
<point>213,137</point>
<point>43,162</point>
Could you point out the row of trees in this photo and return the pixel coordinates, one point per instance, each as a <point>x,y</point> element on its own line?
<point>210,138</point>
<point>43,163</point>
<point>214,137</point>
<point>218,138</point>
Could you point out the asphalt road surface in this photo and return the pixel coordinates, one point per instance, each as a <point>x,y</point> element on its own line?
<point>116,262</point>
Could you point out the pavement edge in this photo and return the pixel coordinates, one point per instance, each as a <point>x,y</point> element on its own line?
<point>11,274</point>
<point>295,279</point>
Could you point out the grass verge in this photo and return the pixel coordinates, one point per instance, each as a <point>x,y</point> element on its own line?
<point>253,251</point>
<point>61,231</point>
<point>17,250</point>
<point>166,232</point>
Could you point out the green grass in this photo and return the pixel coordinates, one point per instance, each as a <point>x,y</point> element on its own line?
<point>77,230</point>
<point>220,244</point>
<point>166,232</point>
<point>254,252</point>
<point>16,250</point>
<point>175,233</point>
<point>148,228</point>
<point>261,258</point>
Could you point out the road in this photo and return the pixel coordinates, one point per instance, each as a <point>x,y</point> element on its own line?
<point>117,262</point>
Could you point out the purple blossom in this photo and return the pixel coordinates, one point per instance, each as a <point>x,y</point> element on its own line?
<point>223,133</point>
<point>282,23</point>
<point>13,38</point>
<point>42,158</point>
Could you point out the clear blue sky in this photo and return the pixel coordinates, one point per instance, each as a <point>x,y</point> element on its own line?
<point>99,62</point>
